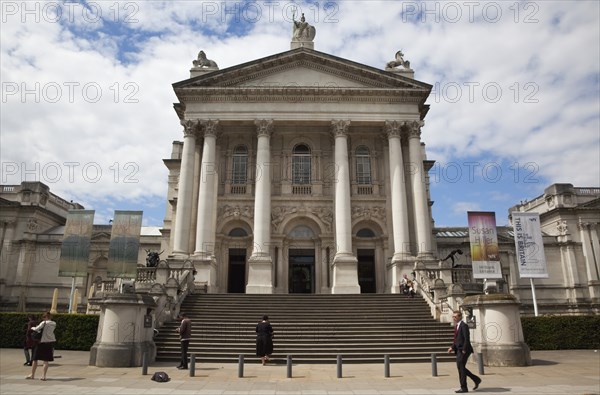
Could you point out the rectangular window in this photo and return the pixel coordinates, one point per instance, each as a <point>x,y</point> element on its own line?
<point>363,170</point>
<point>239,175</point>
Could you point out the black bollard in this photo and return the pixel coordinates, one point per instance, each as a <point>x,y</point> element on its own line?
<point>241,366</point>
<point>192,365</point>
<point>480,362</point>
<point>289,366</point>
<point>144,364</point>
<point>339,366</point>
<point>386,365</point>
<point>434,365</point>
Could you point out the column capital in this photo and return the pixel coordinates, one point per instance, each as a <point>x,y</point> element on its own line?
<point>210,127</point>
<point>190,127</point>
<point>393,129</point>
<point>264,127</point>
<point>414,128</point>
<point>339,128</point>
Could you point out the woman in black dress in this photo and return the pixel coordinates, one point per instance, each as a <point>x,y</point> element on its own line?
<point>264,339</point>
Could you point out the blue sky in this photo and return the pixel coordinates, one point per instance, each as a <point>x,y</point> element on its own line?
<point>87,96</point>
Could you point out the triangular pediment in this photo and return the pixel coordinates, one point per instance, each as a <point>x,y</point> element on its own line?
<point>301,68</point>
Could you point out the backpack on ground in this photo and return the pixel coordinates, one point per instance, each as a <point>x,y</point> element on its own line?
<point>160,377</point>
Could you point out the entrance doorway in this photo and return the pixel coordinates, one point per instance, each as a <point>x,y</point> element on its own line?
<point>302,271</point>
<point>236,282</point>
<point>366,270</point>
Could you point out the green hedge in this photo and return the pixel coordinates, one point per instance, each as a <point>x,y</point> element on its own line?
<point>562,332</point>
<point>73,331</point>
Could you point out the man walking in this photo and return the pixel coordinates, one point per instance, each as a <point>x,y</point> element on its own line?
<point>185,334</point>
<point>463,349</point>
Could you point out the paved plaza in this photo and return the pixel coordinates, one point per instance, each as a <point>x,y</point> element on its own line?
<point>553,372</point>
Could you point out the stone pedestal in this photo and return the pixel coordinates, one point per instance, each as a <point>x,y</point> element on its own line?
<point>260,275</point>
<point>498,333</point>
<point>206,268</point>
<point>302,44</point>
<point>122,338</point>
<point>345,274</point>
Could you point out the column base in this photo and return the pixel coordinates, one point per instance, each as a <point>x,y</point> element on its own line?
<point>345,274</point>
<point>260,277</point>
<point>400,264</point>
<point>206,271</point>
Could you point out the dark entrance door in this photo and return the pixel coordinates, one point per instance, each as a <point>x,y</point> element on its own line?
<point>366,270</point>
<point>236,282</point>
<point>302,271</point>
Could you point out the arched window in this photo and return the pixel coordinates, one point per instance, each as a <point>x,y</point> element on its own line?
<point>363,166</point>
<point>365,232</point>
<point>301,164</point>
<point>301,232</point>
<point>239,173</point>
<point>238,232</point>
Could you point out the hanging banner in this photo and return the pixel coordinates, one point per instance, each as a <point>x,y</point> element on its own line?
<point>75,248</point>
<point>529,245</point>
<point>124,244</point>
<point>484,245</point>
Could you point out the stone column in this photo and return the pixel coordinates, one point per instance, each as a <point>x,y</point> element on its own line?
<point>260,270</point>
<point>418,180</point>
<point>203,255</point>
<point>399,204</point>
<point>345,264</point>
<point>185,190</point>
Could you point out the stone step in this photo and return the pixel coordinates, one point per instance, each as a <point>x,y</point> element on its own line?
<point>310,328</point>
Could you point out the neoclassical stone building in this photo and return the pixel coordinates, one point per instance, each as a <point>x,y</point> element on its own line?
<point>300,172</point>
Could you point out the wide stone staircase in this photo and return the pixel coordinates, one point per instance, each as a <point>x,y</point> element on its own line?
<point>311,328</point>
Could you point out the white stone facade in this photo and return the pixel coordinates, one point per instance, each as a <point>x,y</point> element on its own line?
<point>292,153</point>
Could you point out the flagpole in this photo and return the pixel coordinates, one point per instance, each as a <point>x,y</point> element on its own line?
<point>535,309</point>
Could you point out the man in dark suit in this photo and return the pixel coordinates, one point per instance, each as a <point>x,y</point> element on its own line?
<point>463,349</point>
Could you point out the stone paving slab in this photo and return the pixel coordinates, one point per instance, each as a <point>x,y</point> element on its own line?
<point>553,372</point>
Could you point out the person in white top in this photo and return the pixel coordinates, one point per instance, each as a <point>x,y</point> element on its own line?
<point>44,351</point>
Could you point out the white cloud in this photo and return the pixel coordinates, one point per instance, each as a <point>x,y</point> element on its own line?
<point>557,56</point>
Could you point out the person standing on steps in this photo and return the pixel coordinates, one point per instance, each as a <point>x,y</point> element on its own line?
<point>185,335</point>
<point>264,339</point>
<point>463,349</point>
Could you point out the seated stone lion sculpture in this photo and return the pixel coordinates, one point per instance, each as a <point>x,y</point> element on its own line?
<point>203,61</point>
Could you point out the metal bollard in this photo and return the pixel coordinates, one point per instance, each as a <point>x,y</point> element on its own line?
<point>339,366</point>
<point>192,365</point>
<point>289,366</point>
<point>434,365</point>
<point>144,364</point>
<point>241,366</point>
<point>386,365</point>
<point>480,362</point>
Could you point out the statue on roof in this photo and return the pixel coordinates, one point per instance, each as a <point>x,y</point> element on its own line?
<point>398,62</point>
<point>302,30</point>
<point>203,61</point>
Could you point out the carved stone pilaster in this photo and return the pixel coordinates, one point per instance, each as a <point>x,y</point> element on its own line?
<point>340,128</point>
<point>190,127</point>
<point>562,227</point>
<point>393,129</point>
<point>264,127</point>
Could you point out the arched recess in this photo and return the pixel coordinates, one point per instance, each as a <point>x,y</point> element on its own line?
<point>234,249</point>
<point>367,242</point>
<point>301,269</point>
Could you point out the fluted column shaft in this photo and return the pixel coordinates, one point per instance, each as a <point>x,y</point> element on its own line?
<point>418,180</point>
<point>343,219</point>
<point>399,203</point>
<point>262,198</point>
<point>185,189</point>
<point>207,194</point>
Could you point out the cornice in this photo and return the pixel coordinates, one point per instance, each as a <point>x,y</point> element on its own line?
<point>300,95</point>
